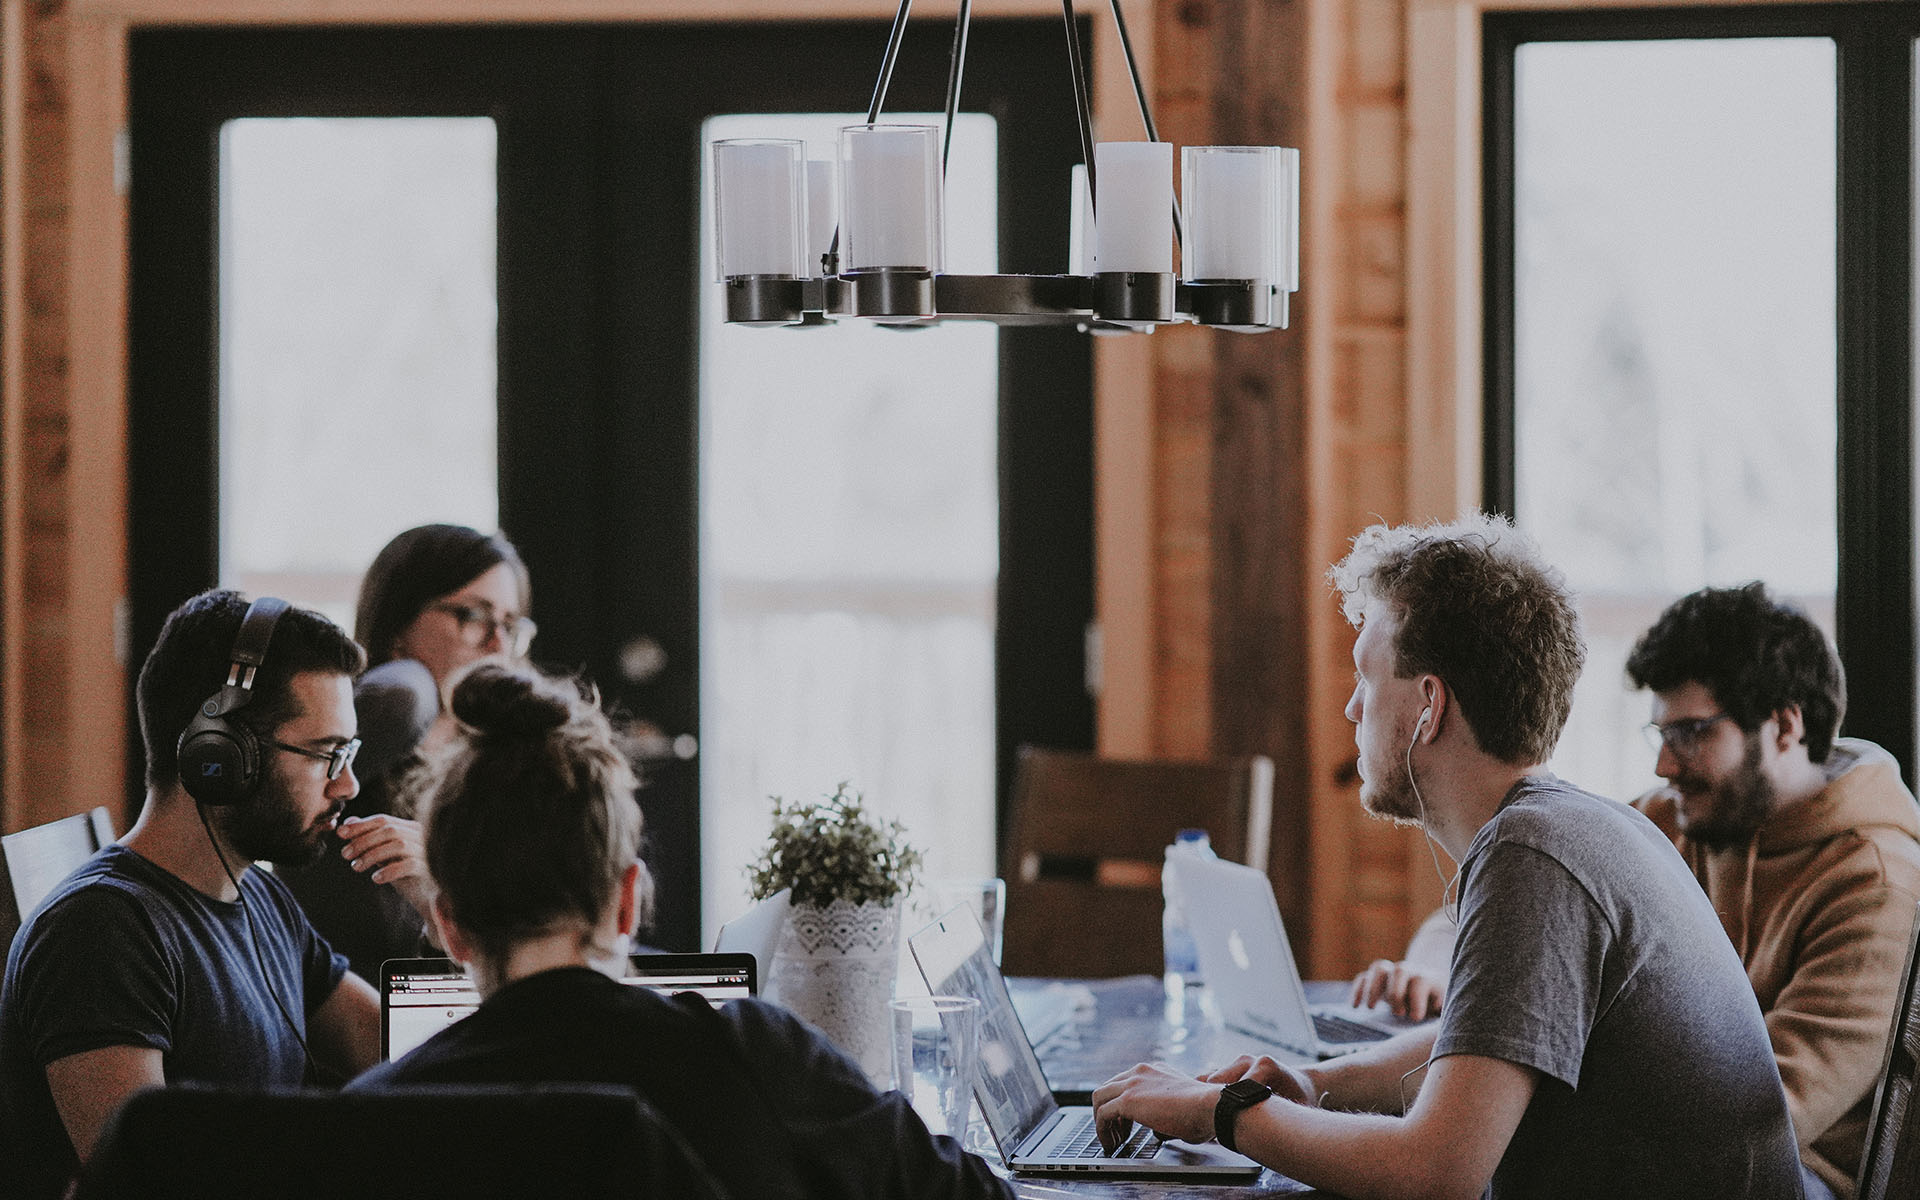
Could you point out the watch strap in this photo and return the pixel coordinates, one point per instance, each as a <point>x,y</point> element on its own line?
<point>1236,1098</point>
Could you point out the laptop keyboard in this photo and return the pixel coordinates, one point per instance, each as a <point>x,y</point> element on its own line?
<point>1338,1031</point>
<point>1084,1142</point>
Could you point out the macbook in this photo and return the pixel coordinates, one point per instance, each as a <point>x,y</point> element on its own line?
<point>421,996</point>
<point>1248,964</point>
<point>1035,1135</point>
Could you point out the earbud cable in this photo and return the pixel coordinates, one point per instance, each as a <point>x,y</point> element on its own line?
<point>1448,887</point>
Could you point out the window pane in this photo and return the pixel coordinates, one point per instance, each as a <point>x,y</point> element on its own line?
<point>849,554</point>
<point>357,363</point>
<point>1675,342</point>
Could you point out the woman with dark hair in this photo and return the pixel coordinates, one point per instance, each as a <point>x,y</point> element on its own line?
<point>543,926</point>
<point>436,599</point>
<point>444,596</point>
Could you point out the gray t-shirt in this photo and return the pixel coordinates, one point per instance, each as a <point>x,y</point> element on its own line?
<point>1588,953</point>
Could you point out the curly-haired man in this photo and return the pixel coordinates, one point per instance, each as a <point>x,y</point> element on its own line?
<point>1600,1038</point>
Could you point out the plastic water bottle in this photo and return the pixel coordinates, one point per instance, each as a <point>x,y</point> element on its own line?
<point>1182,958</point>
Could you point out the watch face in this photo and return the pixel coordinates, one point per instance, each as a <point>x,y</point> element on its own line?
<point>1250,1091</point>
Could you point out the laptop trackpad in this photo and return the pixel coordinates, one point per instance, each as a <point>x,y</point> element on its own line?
<point>1211,1154</point>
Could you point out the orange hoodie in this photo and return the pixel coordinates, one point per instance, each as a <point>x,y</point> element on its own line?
<point>1820,905</point>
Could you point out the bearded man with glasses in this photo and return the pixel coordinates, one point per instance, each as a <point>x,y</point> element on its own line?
<point>169,958</point>
<point>1808,844</point>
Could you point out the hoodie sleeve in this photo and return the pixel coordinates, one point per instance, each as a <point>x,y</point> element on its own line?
<point>1829,1022</point>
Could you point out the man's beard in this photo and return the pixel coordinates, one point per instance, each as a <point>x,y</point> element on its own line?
<point>267,827</point>
<point>1736,806</point>
<point>1394,798</point>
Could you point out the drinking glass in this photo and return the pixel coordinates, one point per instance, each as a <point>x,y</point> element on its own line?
<point>936,1053</point>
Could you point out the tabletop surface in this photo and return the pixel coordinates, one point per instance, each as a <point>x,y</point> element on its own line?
<point>1088,1030</point>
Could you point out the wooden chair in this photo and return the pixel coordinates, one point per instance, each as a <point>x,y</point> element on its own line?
<point>572,1140</point>
<point>33,860</point>
<point>1085,843</point>
<point>1890,1167</point>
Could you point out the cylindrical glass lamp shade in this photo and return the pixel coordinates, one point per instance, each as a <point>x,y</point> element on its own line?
<point>890,198</point>
<point>823,211</point>
<point>760,207</point>
<point>1133,206</point>
<point>1080,259</point>
<point>1234,211</point>
<point>1287,273</point>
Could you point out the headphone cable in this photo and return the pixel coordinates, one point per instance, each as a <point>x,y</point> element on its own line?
<point>253,936</point>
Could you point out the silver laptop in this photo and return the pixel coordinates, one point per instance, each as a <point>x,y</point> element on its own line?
<point>1248,964</point>
<point>1034,1134</point>
<point>421,996</point>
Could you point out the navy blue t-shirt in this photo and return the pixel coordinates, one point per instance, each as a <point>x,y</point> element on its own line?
<point>122,953</point>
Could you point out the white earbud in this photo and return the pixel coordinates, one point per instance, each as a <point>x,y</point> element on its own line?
<point>1426,714</point>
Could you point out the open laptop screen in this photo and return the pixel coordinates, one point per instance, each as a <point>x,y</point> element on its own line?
<point>421,996</point>
<point>955,960</point>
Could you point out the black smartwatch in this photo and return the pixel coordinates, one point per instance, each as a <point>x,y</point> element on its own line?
<point>1235,1099</point>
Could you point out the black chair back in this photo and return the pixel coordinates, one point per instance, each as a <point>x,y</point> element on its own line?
<point>574,1140</point>
<point>1890,1167</point>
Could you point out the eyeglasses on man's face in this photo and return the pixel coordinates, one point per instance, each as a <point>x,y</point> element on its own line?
<point>1683,737</point>
<point>477,623</point>
<point>337,759</point>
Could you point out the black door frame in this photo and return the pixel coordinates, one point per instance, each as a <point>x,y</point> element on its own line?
<point>1875,599</point>
<point>597,359</point>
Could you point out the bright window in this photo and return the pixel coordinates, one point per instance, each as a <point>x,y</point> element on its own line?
<point>357,361</point>
<point>1675,345</point>
<point>850,554</point>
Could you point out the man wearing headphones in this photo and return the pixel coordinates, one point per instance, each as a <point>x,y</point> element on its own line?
<point>1600,1038</point>
<point>166,958</point>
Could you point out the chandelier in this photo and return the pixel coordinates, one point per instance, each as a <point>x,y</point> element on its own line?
<point>808,243</point>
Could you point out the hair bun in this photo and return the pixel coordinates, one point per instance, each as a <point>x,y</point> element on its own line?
<point>500,700</point>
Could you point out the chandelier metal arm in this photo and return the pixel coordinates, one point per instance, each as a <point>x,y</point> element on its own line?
<point>1082,103</point>
<point>956,64</point>
<point>1133,73</point>
<point>894,38</point>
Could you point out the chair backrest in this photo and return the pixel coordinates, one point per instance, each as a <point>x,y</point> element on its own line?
<point>1085,843</point>
<point>584,1140</point>
<point>33,860</point>
<point>1890,1166</point>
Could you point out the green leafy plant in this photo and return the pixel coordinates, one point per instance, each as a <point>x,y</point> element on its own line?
<point>834,849</point>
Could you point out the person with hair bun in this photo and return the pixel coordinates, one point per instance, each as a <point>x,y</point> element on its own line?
<point>435,599</point>
<point>543,925</point>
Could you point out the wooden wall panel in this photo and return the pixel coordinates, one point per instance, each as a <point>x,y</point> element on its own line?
<point>13,394</point>
<point>38,773</point>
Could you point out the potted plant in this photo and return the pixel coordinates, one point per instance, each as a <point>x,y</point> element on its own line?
<point>835,962</point>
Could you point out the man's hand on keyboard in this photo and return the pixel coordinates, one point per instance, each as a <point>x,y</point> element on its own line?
<point>1411,990</point>
<point>1169,1103</point>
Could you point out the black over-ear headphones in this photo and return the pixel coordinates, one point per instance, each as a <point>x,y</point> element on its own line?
<point>219,758</point>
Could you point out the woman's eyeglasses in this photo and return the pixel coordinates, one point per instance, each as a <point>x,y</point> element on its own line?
<point>477,623</point>
<point>337,759</point>
<point>1682,737</point>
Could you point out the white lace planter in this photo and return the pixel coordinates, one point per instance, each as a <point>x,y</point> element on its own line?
<point>834,968</point>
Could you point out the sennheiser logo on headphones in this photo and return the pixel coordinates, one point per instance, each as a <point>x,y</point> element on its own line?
<point>210,768</point>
